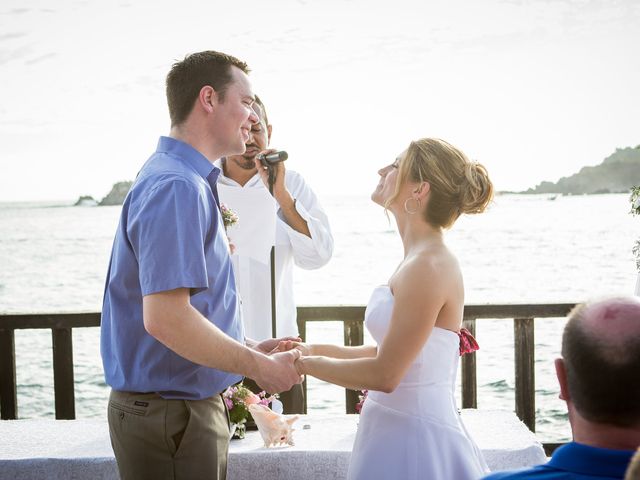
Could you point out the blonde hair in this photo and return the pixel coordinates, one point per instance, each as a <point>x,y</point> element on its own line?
<point>457,185</point>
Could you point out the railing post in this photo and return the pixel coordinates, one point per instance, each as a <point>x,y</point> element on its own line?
<point>469,382</point>
<point>523,329</point>
<point>8,395</point>
<point>63,373</point>
<point>302,332</point>
<point>353,336</point>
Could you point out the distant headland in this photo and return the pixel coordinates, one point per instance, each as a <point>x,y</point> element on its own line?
<point>114,197</point>
<point>616,174</point>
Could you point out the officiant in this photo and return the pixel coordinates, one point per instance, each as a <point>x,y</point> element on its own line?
<point>291,219</point>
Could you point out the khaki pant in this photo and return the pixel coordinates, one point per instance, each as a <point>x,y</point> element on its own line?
<point>159,439</point>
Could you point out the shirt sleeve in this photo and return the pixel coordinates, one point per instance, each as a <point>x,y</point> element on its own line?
<point>167,230</point>
<point>314,252</point>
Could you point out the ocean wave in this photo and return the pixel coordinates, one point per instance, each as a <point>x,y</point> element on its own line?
<point>499,385</point>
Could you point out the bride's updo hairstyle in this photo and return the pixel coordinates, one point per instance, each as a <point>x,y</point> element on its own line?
<point>457,185</point>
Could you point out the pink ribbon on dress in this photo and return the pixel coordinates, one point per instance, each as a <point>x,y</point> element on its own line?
<point>468,344</point>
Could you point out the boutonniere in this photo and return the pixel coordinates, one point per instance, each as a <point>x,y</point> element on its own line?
<point>229,217</point>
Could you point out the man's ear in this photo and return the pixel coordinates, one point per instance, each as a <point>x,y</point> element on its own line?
<point>561,373</point>
<point>208,98</point>
<point>269,134</point>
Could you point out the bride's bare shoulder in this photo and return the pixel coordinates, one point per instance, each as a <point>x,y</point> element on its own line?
<point>436,261</point>
<point>427,273</point>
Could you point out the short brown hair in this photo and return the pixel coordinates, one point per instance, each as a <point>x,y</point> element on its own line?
<point>457,185</point>
<point>264,110</point>
<point>187,77</point>
<point>602,377</point>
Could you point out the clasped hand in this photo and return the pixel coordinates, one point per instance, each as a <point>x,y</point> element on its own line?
<point>278,372</point>
<point>288,344</point>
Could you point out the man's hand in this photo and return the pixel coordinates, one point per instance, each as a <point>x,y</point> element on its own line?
<point>299,364</point>
<point>279,188</point>
<point>277,373</point>
<point>286,202</point>
<point>270,345</point>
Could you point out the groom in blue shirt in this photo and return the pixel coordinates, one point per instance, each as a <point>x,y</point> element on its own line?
<point>171,336</point>
<point>598,375</point>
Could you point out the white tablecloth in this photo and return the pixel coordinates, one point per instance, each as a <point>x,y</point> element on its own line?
<point>59,449</point>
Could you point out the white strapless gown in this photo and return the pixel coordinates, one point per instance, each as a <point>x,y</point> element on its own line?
<point>416,431</point>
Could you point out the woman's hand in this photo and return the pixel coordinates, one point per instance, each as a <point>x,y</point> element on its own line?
<point>270,345</point>
<point>286,345</point>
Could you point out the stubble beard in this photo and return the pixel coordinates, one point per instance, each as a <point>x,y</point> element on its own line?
<point>246,163</point>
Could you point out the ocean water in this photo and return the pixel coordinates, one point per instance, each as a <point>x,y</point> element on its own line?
<point>525,249</point>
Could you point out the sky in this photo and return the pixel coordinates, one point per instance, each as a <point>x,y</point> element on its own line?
<point>532,89</point>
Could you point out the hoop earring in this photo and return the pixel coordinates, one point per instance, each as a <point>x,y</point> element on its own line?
<point>411,211</point>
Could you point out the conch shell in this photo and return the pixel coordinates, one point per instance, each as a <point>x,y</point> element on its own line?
<point>274,428</point>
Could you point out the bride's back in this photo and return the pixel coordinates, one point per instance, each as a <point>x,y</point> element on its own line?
<point>427,387</point>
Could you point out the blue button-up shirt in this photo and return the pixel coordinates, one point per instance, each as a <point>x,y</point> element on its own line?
<point>171,235</point>
<point>575,461</point>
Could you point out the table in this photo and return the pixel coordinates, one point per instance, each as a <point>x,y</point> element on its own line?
<point>78,449</point>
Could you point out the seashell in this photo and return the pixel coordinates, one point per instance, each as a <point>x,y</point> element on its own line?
<point>274,428</point>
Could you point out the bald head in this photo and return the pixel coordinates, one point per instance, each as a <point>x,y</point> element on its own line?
<point>601,351</point>
<point>613,317</point>
<point>612,324</point>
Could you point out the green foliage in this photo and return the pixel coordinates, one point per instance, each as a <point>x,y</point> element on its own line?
<point>634,199</point>
<point>239,413</point>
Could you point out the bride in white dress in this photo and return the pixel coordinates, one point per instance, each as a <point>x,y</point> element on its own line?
<point>409,426</point>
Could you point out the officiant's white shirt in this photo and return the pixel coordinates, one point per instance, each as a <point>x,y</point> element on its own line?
<point>251,260</point>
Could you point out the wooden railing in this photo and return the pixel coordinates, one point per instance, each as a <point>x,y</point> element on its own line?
<point>61,325</point>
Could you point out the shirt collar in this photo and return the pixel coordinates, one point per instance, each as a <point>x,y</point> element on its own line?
<point>190,156</point>
<point>579,458</point>
<point>253,181</point>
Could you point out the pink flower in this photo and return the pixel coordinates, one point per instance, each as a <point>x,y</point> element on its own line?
<point>251,399</point>
<point>362,398</point>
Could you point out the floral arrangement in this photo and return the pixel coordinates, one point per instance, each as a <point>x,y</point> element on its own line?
<point>229,217</point>
<point>635,210</point>
<point>237,399</point>
<point>361,399</point>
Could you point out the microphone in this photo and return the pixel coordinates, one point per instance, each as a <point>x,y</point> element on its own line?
<point>273,158</point>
